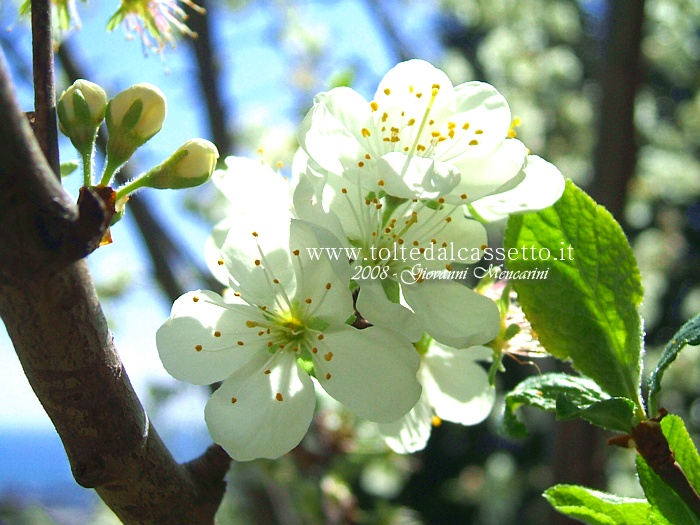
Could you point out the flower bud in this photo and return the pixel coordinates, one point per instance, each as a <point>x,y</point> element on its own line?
<point>81,110</point>
<point>133,117</point>
<point>191,165</point>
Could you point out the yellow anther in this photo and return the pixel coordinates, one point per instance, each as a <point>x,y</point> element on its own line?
<point>374,105</point>
<point>420,147</point>
<point>328,356</point>
<point>431,122</point>
<point>387,91</point>
<point>411,122</point>
<point>381,182</point>
<point>473,142</point>
<point>395,138</point>
<point>361,164</point>
<point>435,133</point>
<point>385,116</point>
<point>435,421</point>
<point>220,262</point>
<point>466,125</point>
<point>451,125</point>
<point>368,156</point>
<point>434,92</point>
<point>195,299</point>
<point>479,132</point>
<point>419,95</point>
<point>448,267</point>
<point>366,132</point>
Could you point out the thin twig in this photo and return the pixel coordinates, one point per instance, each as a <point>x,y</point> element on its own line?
<point>44,90</point>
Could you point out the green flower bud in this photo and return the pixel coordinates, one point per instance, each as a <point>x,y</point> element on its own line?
<point>133,117</point>
<point>81,110</point>
<point>191,165</point>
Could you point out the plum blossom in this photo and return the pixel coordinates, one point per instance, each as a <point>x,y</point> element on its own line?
<point>423,137</point>
<point>396,238</point>
<point>287,321</point>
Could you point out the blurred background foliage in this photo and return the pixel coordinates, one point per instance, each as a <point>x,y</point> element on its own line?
<point>557,62</point>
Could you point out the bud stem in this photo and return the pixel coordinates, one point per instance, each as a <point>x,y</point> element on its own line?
<point>87,169</point>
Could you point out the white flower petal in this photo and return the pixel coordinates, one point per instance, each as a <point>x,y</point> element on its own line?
<point>372,371</point>
<point>457,238</point>
<point>411,432</point>
<point>541,186</point>
<point>481,176</point>
<point>256,252</point>
<point>212,249</point>
<point>406,91</point>
<point>309,204</point>
<point>187,342</point>
<point>262,415</point>
<point>375,306</point>
<point>486,116</point>
<point>330,130</point>
<point>413,176</point>
<point>243,182</point>
<point>457,387</point>
<point>452,313</point>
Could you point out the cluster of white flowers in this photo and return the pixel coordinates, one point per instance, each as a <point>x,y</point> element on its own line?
<point>421,166</point>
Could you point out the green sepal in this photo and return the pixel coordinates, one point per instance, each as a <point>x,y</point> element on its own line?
<point>132,115</point>
<point>575,397</point>
<point>115,20</point>
<point>68,167</point>
<point>25,8</point>
<point>689,334</point>
<point>587,308</point>
<point>600,508</point>
<point>392,289</point>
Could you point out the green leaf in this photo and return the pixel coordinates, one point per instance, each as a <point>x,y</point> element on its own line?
<point>616,413</point>
<point>571,397</point>
<point>663,497</point>
<point>683,448</point>
<point>689,334</point>
<point>68,167</point>
<point>599,508</point>
<point>587,307</point>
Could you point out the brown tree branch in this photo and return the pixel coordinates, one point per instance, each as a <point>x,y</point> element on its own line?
<point>52,314</point>
<point>44,92</point>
